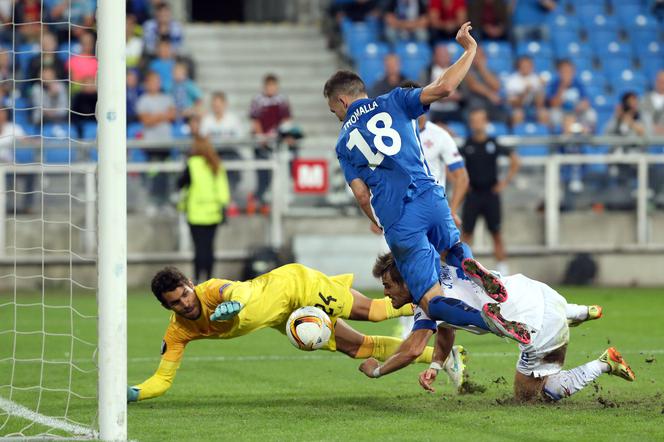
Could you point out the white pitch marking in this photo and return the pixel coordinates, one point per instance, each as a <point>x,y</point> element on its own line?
<point>15,409</point>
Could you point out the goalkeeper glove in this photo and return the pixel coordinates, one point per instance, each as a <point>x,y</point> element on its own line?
<point>226,310</point>
<point>132,394</point>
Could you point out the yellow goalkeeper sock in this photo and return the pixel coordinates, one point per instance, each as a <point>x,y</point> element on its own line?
<point>381,309</point>
<point>382,347</point>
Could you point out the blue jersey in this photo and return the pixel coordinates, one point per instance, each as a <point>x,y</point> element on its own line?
<point>379,143</point>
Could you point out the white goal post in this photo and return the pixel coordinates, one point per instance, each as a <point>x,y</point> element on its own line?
<point>112,234</point>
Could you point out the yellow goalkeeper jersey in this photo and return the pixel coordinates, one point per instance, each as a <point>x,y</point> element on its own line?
<point>268,300</point>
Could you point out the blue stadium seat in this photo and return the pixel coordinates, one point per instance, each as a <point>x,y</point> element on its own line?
<point>650,66</point>
<point>592,80</point>
<point>89,130</point>
<point>640,21</point>
<point>534,49</point>
<point>458,129</point>
<point>24,156</point>
<point>612,66</point>
<point>589,8</point>
<point>626,10</point>
<point>532,129</point>
<point>528,13</point>
<point>371,71</point>
<point>24,53</point>
<point>566,43</point>
<point>629,81</point>
<point>603,118</point>
<point>596,168</point>
<point>180,130</point>
<point>134,130</point>
<point>600,37</point>
<point>582,63</point>
<point>645,49</point>
<point>559,22</point>
<point>137,156</point>
<point>604,102</point>
<point>604,49</point>
<point>495,49</point>
<point>600,22</point>
<point>496,129</point>
<point>63,51</point>
<point>501,66</point>
<point>357,35</point>
<point>453,49</point>
<point>544,64</point>
<point>59,155</point>
<point>415,57</point>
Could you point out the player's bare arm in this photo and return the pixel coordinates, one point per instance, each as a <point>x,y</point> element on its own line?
<point>460,182</point>
<point>445,85</point>
<point>409,350</point>
<point>363,197</point>
<point>441,350</point>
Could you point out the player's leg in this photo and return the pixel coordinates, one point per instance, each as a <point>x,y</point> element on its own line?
<point>533,371</point>
<point>568,382</point>
<point>493,217</point>
<point>578,314</point>
<point>443,233</point>
<point>358,346</point>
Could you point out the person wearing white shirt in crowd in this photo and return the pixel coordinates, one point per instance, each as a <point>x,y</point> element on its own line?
<point>222,125</point>
<point>525,93</point>
<point>442,155</point>
<point>652,107</point>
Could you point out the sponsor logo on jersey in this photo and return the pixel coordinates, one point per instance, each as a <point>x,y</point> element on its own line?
<point>491,147</point>
<point>446,278</point>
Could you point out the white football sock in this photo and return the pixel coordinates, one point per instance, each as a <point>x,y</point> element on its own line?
<point>576,312</point>
<point>568,382</point>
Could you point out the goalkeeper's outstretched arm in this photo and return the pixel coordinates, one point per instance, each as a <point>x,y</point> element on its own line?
<point>156,385</point>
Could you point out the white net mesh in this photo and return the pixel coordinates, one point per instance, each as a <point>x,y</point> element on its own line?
<point>48,377</point>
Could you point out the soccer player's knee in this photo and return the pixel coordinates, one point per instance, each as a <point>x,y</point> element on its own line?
<point>527,389</point>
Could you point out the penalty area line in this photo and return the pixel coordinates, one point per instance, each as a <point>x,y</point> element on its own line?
<point>14,409</point>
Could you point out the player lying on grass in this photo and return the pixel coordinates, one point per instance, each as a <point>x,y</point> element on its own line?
<point>224,309</point>
<point>380,154</point>
<point>547,313</point>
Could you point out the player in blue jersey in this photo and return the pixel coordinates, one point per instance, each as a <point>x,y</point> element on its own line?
<point>382,158</point>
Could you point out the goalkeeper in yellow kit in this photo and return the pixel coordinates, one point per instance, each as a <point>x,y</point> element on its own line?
<point>224,309</point>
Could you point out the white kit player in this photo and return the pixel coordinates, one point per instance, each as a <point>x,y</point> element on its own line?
<point>544,311</point>
<point>442,155</point>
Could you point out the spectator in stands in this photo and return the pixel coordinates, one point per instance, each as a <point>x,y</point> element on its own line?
<point>6,13</point>
<point>567,95</point>
<point>653,107</point>
<point>156,110</point>
<point>490,18</point>
<point>445,18</point>
<point>393,76</point>
<point>205,197</point>
<point>355,10</point>
<point>164,64</point>
<point>84,65</point>
<point>449,108</point>
<point>133,93</point>
<point>6,73</point>
<point>78,12</point>
<point>9,133</point>
<point>50,99</point>
<point>134,43</point>
<point>27,13</point>
<point>267,112</point>
<point>83,104</point>
<point>483,89</point>
<point>140,9</point>
<point>525,93</point>
<point>223,125</point>
<point>626,120</point>
<point>481,154</point>
<point>186,94</point>
<point>47,58</point>
<point>162,27</point>
<point>406,20</point>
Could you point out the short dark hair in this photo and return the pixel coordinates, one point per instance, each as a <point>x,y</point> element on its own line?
<point>270,78</point>
<point>219,94</point>
<point>385,264</point>
<point>344,82</point>
<point>166,280</point>
<point>410,84</point>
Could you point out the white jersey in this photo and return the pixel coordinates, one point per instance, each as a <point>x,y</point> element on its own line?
<point>525,299</point>
<point>440,150</point>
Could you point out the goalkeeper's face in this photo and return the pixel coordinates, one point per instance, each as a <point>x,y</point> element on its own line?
<point>184,302</point>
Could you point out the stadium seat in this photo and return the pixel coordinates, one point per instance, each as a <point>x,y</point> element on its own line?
<point>501,66</point>
<point>496,49</point>
<point>613,48</point>
<point>528,13</point>
<point>593,81</point>
<point>626,10</point>
<point>589,8</point>
<point>645,49</point>
<point>458,129</point>
<point>534,49</point>
<point>371,71</point>
<point>566,43</point>
<point>612,66</point>
<point>357,35</point>
<point>415,57</point>
<point>453,49</point>
<point>497,129</point>
<point>544,63</point>
<point>640,21</point>
<point>650,66</point>
<point>137,156</point>
<point>532,129</point>
<point>595,168</point>
<point>604,102</point>
<point>582,63</point>
<point>134,130</point>
<point>603,118</point>
<point>373,50</point>
<point>629,81</point>
<point>24,53</point>
<point>559,22</point>
<point>600,22</point>
<point>599,37</point>
<point>89,130</point>
<point>24,156</point>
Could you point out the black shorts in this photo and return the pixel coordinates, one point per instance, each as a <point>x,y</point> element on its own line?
<point>485,203</point>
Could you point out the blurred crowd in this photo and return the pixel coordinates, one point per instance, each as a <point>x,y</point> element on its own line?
<point>543,66</point>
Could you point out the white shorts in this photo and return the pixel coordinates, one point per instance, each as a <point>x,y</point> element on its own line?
<point>553,335</point>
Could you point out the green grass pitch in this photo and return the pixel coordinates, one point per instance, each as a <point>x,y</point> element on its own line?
<point>259,387</point>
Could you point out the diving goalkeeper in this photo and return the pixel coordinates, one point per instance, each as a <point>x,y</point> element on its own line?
<point>224,309</point>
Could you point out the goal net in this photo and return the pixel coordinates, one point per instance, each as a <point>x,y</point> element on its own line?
<point>50,332</point>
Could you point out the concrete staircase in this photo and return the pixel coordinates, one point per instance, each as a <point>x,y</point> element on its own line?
<point>234,58</point>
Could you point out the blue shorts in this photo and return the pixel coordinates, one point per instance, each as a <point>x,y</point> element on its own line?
<point>426,227</point>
